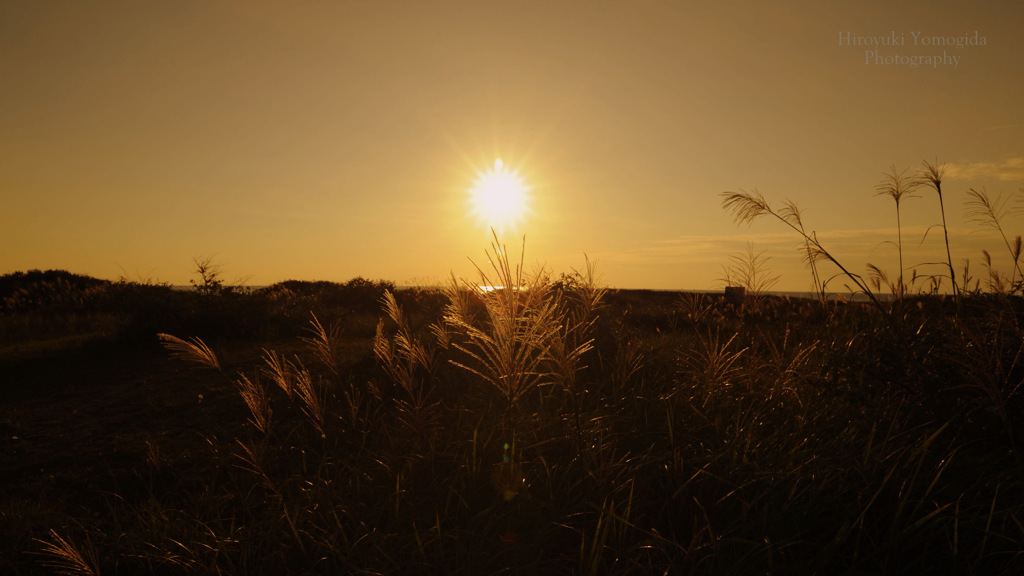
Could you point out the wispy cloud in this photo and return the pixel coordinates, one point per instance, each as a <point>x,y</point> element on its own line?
<point>700,258</point>
<point>1006,169</point>
<point>696,248</point>
<point>851,243</point>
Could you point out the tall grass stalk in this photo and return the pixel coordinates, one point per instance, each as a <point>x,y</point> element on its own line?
<point>898,187</point>
<point>989,212</point>
<point>409,363</point>
<point>749,206</point>
<point>931,175</point>
<point>791,212</point>
<point>576,302</point>
<point>403,357</point>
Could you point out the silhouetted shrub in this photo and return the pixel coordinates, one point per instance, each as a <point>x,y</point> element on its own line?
<point>52,290</point>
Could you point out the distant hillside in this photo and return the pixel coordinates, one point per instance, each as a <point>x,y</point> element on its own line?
<point>38,289</point>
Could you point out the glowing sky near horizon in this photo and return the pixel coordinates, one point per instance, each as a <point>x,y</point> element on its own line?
<point>322,140</point>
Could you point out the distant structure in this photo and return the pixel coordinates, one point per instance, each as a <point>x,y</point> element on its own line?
<point>735,294</point>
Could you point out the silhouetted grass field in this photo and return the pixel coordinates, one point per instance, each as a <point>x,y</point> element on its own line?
<point>322,428</point>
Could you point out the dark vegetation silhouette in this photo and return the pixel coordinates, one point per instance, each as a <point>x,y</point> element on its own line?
<point>549,426</point>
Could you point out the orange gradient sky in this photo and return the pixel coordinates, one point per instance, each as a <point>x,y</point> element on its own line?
<point>322,140</point>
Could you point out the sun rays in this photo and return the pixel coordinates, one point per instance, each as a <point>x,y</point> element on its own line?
<point>499,198</point>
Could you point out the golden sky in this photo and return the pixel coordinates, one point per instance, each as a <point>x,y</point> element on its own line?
<point>322,140</point>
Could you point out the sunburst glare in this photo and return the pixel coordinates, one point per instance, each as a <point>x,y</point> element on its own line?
<point>499,197</point>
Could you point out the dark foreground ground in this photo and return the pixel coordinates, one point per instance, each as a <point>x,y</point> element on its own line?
<point>693,435</point>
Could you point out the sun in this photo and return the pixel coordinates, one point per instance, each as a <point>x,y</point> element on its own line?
<point>499,198</point>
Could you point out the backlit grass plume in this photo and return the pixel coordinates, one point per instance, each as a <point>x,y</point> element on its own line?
<point>66,559</point>
<point>510,348</point>
<point>255,398</point>
<point>750,270</point>
<point>323,342</point>
<point>195,350</point>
